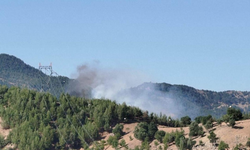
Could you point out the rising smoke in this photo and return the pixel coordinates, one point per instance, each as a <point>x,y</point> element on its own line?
<point>121,85</point>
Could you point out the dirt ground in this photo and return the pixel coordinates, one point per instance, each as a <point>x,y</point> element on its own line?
<point>3,132</point>
<point>232,136</point>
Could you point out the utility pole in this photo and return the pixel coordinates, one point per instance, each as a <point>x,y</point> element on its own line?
<point>46,68</point>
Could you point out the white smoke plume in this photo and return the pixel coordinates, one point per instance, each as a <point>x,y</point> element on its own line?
<point>105,83</point>
<point>121,85</point>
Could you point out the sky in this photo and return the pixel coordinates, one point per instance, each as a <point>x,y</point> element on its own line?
<point>203,43</point>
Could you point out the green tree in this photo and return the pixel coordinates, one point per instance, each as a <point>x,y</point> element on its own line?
<point>234,114</point>
<point>118,130</point>
<point>159,135</point>
<point>112,140</point>
<point>231,123</point>
<point>123,144</point>
<point>141,131</point>
<point>152,129</point>
<point>144,130</point>
<point>186,120</point>
<point>223,146</point>
<point>212,137</point>
<point>145,144</point>
<point>195,129</point>
<point>209,124</point>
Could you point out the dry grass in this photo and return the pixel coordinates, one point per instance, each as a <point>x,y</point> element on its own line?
<point>232,136</point>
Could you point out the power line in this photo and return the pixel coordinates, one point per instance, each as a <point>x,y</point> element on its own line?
<point>71,122</point>
<point>46,105</point>
<point>49,68</point>
<point>76,115</point>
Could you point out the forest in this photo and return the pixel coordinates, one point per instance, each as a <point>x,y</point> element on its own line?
<point>42,121</point>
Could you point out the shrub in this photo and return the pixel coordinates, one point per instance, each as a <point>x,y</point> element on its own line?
<point>159,135</point>
<point>231,123</point>
<point>201,143</point>
<point>112,140</point>
<point>156,143</point>
<point>2,141</point>
<point>186,120</point>
<point>248,143</point>
<point>209,124</point>
<point>130,137</point>
<point>234,114</point>
<point>212,137</point>
<point>118,130</point>
<point>123,143</point>
<point>144,130</point>
<point>223,146</point>
<point>195,129</point>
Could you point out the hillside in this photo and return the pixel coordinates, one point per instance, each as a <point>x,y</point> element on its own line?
<point>171,99</point>
<point>192,101</point>
<point>237,136</point>
<point>14,72</point>
<point>37,120</point>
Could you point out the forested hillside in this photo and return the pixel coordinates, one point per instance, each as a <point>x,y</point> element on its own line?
<point>42,121</point>
<point>14,72</point>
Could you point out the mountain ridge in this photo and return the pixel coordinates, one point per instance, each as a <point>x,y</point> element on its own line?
<point>15,72</point>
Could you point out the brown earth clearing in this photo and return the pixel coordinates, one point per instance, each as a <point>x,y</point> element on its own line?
<point>232,136</point>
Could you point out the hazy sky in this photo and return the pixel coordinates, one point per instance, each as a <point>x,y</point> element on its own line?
<point>200,43</point>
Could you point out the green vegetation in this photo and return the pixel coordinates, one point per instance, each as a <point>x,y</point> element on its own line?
<point>195,129</point>
<point>223,146</point>
<point>41,121</point>
<point>113,141</point>
<point>145,131</point>
<point>212,137</point>
<point>186,120</point>
<point>232,116</point>
<point>179,139</point>
<point>60,121</point>
<point>159,135</point>
<point>204,119</point>
<point>248,142</point>
<point>118,130</point>
<point>14,72</point>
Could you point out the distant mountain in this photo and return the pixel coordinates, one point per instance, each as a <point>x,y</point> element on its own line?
<point>193,102</point>
<point>14,72</point>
